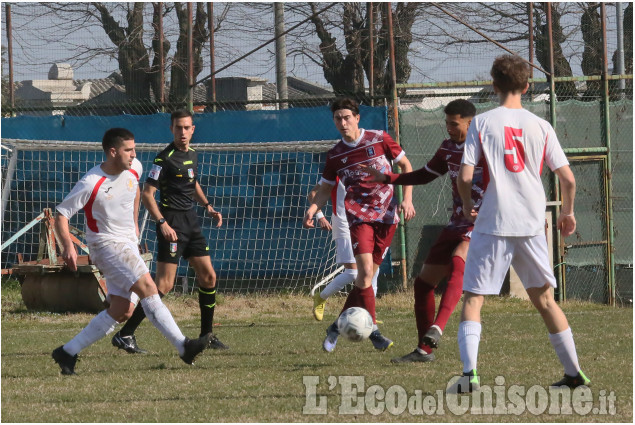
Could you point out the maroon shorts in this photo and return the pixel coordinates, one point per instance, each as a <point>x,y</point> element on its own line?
<point>373,238</point>
<point>441,252</point>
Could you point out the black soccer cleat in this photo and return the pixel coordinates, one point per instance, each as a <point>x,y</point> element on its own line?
<point>573,381</point>
<point>432,337</point>
<point>64,360</point>
<point>193,347</point>
<point>127,343</point>
<point>414,357</point>
<point>467,383</point>
<point>379,341</point>
<point>216,344</point>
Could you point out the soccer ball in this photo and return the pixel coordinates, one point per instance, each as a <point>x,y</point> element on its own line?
<point>355,324</point>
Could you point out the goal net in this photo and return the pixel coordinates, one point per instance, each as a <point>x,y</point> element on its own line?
<point>260,188</point>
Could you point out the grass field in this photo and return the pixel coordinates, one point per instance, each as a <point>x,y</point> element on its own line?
<point>275,344</point>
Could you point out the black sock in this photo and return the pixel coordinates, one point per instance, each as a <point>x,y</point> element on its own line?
<point>135,320</point>
<point>207,303</point>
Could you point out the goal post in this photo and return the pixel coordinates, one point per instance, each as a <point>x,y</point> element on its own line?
<point>260,188</point>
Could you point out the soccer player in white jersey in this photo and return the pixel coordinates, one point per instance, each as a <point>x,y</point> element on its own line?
<point>509,227</point>
<point>343,248</point>
<point>372,210</point>
<point>109,195</point>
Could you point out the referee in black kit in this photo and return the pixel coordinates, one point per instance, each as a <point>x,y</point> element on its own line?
<point>173,173</point>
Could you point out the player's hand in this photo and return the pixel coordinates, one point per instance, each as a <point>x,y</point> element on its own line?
<point>408,210</point>
<point>215,215</point>
<point>70,257</point>
<point>566,224</point>
<point>168,232</point>
<point>374,176</point>
<point>324,224</point>
<point>469,212</point>
<point>307,221</point>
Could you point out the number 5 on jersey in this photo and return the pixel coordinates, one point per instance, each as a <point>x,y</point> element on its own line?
<point>514,150</point>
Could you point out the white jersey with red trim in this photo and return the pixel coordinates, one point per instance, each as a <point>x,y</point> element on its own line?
<point>515,144</point>
<point>108,204</point>
<point>339,223</point>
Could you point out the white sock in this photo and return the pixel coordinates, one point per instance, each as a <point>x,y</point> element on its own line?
<point>99,327</point>
<point>340,281</point>
<point>162,319</point>
<point>374,282</point>
<point>565,349</point>
<point>469,336</point>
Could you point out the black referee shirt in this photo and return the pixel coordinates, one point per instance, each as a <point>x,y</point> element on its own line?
<point>174,173</point>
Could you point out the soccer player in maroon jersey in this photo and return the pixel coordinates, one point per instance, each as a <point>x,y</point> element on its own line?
<point>372,210</point>
<point>447,256</point>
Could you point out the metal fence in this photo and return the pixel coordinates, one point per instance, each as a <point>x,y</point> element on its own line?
<point>141,58</point>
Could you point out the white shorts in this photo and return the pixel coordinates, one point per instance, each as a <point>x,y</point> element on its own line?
<point>490,256</point>
<point>122,265</point>
<point>344,251</point>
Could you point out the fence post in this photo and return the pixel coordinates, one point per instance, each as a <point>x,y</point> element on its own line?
<point>607,140</point>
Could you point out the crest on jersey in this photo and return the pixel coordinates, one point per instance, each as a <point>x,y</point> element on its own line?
<point>370,151</point>
<point>190,173</point>
<point>173,246</point>
<point>154,173</point>
<point>344,160</point>
<point>131,185</point>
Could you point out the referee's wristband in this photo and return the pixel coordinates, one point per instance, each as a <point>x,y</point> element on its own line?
<point>319,215</point>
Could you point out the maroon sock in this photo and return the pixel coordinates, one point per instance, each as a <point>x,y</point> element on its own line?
<point>452,293</point>
<point>352,300</point>
<point>424,309</point>
<point>367,301</point>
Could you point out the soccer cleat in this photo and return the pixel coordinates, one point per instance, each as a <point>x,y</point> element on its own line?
<point>467,383</point>
<point>318,307</point>
<point>414,357</point>
<point>64,360</point>
<point>573,381</point>
<point>193,347</point>
<point>128,343</point>
<point>379,341</point>
<point>215,344</point>
<point>432,337</point>
<point>331,338</point>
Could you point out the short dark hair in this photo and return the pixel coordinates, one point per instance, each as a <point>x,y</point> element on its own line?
<point>345,103</point>
<point>460,107</point>
<point>510,73</point>
<point>180,113</point>
<point>115,137</point>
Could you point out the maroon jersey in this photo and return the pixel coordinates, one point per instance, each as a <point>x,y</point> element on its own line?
<point>365,202</point>
<point>448,159</point>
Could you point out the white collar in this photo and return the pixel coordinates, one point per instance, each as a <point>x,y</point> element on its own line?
<point>356,141</point>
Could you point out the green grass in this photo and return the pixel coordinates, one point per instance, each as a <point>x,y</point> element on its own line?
<point>275,343</point>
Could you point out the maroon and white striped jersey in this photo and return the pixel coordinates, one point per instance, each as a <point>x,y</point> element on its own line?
<point>365,202</point>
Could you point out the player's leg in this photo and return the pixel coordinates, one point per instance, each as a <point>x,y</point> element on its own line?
<point>344,256</point>
<point>531,263</point>
<point>162,319</point>
<point>206,278</point>
<point>451,295</point>
<point>424,305</point>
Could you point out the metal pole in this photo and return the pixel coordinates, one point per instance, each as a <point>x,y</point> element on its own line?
<point>161,58</point>
<point>395,111</point>
<point>560,275</point>
<point>530,12</point>
<point>281,53</point>
<point>371,52</point>
<point>10,53</point>
<point>6,190</point>
<point>607,141</point>
<point>190,59</point>
<point>212,53</point>
<point>620,47</point>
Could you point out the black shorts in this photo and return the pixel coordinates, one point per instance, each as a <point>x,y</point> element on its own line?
<point>190,242</point>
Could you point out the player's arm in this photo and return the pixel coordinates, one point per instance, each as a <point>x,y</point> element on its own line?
<point>69,254</point>
<point>147,197</point>
<point>566,220</point>
<point>464,186</point>
<point>199,195</point>
<point>135,216</point>
<point>321,197</point>
<point>406,206</point>
<point>417,177</point>
<point>319,215</point>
